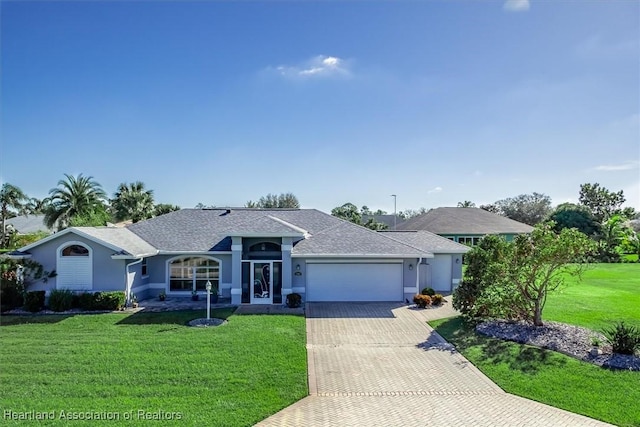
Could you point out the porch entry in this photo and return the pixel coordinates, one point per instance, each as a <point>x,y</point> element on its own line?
<point>262,282</point>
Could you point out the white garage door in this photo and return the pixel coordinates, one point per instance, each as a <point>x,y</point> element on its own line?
<point>354,282</point>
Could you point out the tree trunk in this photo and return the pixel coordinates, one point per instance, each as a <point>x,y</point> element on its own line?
<point>537,314</point>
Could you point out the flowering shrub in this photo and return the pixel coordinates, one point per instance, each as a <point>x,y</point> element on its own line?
<point>422,301</point>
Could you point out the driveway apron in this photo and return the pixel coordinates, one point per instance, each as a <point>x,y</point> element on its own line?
<point>380,364</point>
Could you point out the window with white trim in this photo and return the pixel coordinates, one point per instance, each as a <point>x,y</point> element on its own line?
<point>469,241</point>
<point>193,273</point>
<point>143,267</point>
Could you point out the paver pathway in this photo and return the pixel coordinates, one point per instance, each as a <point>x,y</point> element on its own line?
<point>380,364</point>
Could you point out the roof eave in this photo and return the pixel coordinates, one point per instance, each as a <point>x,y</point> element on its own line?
<point>397,256</point>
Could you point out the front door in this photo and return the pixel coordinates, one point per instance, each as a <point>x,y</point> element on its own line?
<point>261,283</point>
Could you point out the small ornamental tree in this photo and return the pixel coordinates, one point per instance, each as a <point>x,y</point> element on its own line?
<point>512,279</point>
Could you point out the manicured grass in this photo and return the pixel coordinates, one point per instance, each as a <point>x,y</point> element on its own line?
<point>607,293</point>
<point>549,377</point>
<point>232,375</point>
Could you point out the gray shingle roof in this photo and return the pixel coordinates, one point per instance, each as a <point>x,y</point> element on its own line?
<point>28,224</point>
<point>346,238</point>
<point>427,241</point>
<point>128,242</point>
<point>208,229</point>
<point>464,221</point>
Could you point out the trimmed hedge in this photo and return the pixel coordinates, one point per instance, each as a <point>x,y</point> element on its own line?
<point>101,301</point>
<point>34,301</point>
<point>428,291</point>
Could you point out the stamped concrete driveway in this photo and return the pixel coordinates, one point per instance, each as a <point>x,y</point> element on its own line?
<point>380,364</point>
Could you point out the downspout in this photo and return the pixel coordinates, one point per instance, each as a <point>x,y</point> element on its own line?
<point>418,275</point>
<point>126,281</point>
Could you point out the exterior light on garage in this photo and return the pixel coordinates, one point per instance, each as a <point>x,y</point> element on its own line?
<point>298,267</point>
<point>457,260</point>
<point>410,266</point>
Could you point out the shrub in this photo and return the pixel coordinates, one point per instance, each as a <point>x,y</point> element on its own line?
<point>428,291</point>
<point>109,300</point>
<point>623,339</point>
<point>75,301</point>
<point>437,299</point>
<point>422,301</point>
<point>294,300</point>
<point>86,301</point>
<point>34,301</point>
<point>61,300</point>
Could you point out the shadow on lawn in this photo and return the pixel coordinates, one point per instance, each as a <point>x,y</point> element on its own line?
<point>173,317</point>
<point>518,357</point>
<point>16,319</point>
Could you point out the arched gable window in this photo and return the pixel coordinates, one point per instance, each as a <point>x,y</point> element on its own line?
<point>265,247</point>
<point>75,250</point>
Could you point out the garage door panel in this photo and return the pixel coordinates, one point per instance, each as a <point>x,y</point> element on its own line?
<point>354,282</point>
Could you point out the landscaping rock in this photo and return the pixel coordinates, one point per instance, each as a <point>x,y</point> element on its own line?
<point>204,322</point>
<point>571,340</point>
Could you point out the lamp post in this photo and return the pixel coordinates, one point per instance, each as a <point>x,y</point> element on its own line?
<point>208,288</point>
<point>395,217</point>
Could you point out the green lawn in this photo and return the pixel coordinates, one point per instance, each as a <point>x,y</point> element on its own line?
<point>232,375</point>
<point>549,377</point>
<point>607,293</point>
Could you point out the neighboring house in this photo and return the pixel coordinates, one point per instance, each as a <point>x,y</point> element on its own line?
<point>465,225</point>
<point>28,224</point>
<point>252,256</point>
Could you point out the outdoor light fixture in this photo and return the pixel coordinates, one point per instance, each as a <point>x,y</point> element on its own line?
<point>457,260</point>
<point>298,267</point>
<point>410,266</point>
<point>208,288</point>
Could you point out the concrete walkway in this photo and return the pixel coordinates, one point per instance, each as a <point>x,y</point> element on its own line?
<point>380,364</point>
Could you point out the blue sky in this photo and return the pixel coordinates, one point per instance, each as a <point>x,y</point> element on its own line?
<point>223,102</point>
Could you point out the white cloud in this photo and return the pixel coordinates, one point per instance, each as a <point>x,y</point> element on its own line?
<point>317,66</point>
<point>435,190</point>
<point>619,167</point>
<point>516,5</point>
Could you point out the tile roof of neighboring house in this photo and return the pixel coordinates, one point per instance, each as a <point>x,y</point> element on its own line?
<point>28,224</point>
<point>426,240</point>
<point>462,221</point>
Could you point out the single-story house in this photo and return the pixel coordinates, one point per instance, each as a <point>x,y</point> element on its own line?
<point>250,256</point>
<point>465,225</point>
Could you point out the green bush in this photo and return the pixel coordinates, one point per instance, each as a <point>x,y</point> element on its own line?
<point>61,300</point>
<point>86,301</point>
<point>428,291</point>
<point>421,301</point>
<point>109,300</point>
<point>294,300</point>
<point>34,301</point>
<point>437,299</point>
<point>623,339</point>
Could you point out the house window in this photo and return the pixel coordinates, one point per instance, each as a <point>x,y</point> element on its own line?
<point>143,266</point>
<point>75,250</point>
<point>469,241</point>
<point>193,273</point>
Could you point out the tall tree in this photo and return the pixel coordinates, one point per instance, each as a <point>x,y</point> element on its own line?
<point>570,215</point>
<point>12,203</point>
<point>37,206</point>
<point>530,209</point>
<point>602,203</point>
<point>74,196</point>
<point>270,201</point>
<point>491,207</point>
<point>350,212</point>
<point>466,204</point>
<point>133,201</point>
<point>164,208</point>
<point>410,213</point>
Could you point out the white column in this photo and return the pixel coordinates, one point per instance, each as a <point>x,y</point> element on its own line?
<point>236,270</point>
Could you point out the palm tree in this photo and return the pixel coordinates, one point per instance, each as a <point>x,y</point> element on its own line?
<point>74,196</point>
<point>133,202</point>
<point>37,206</point>
<point>12,202</point>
